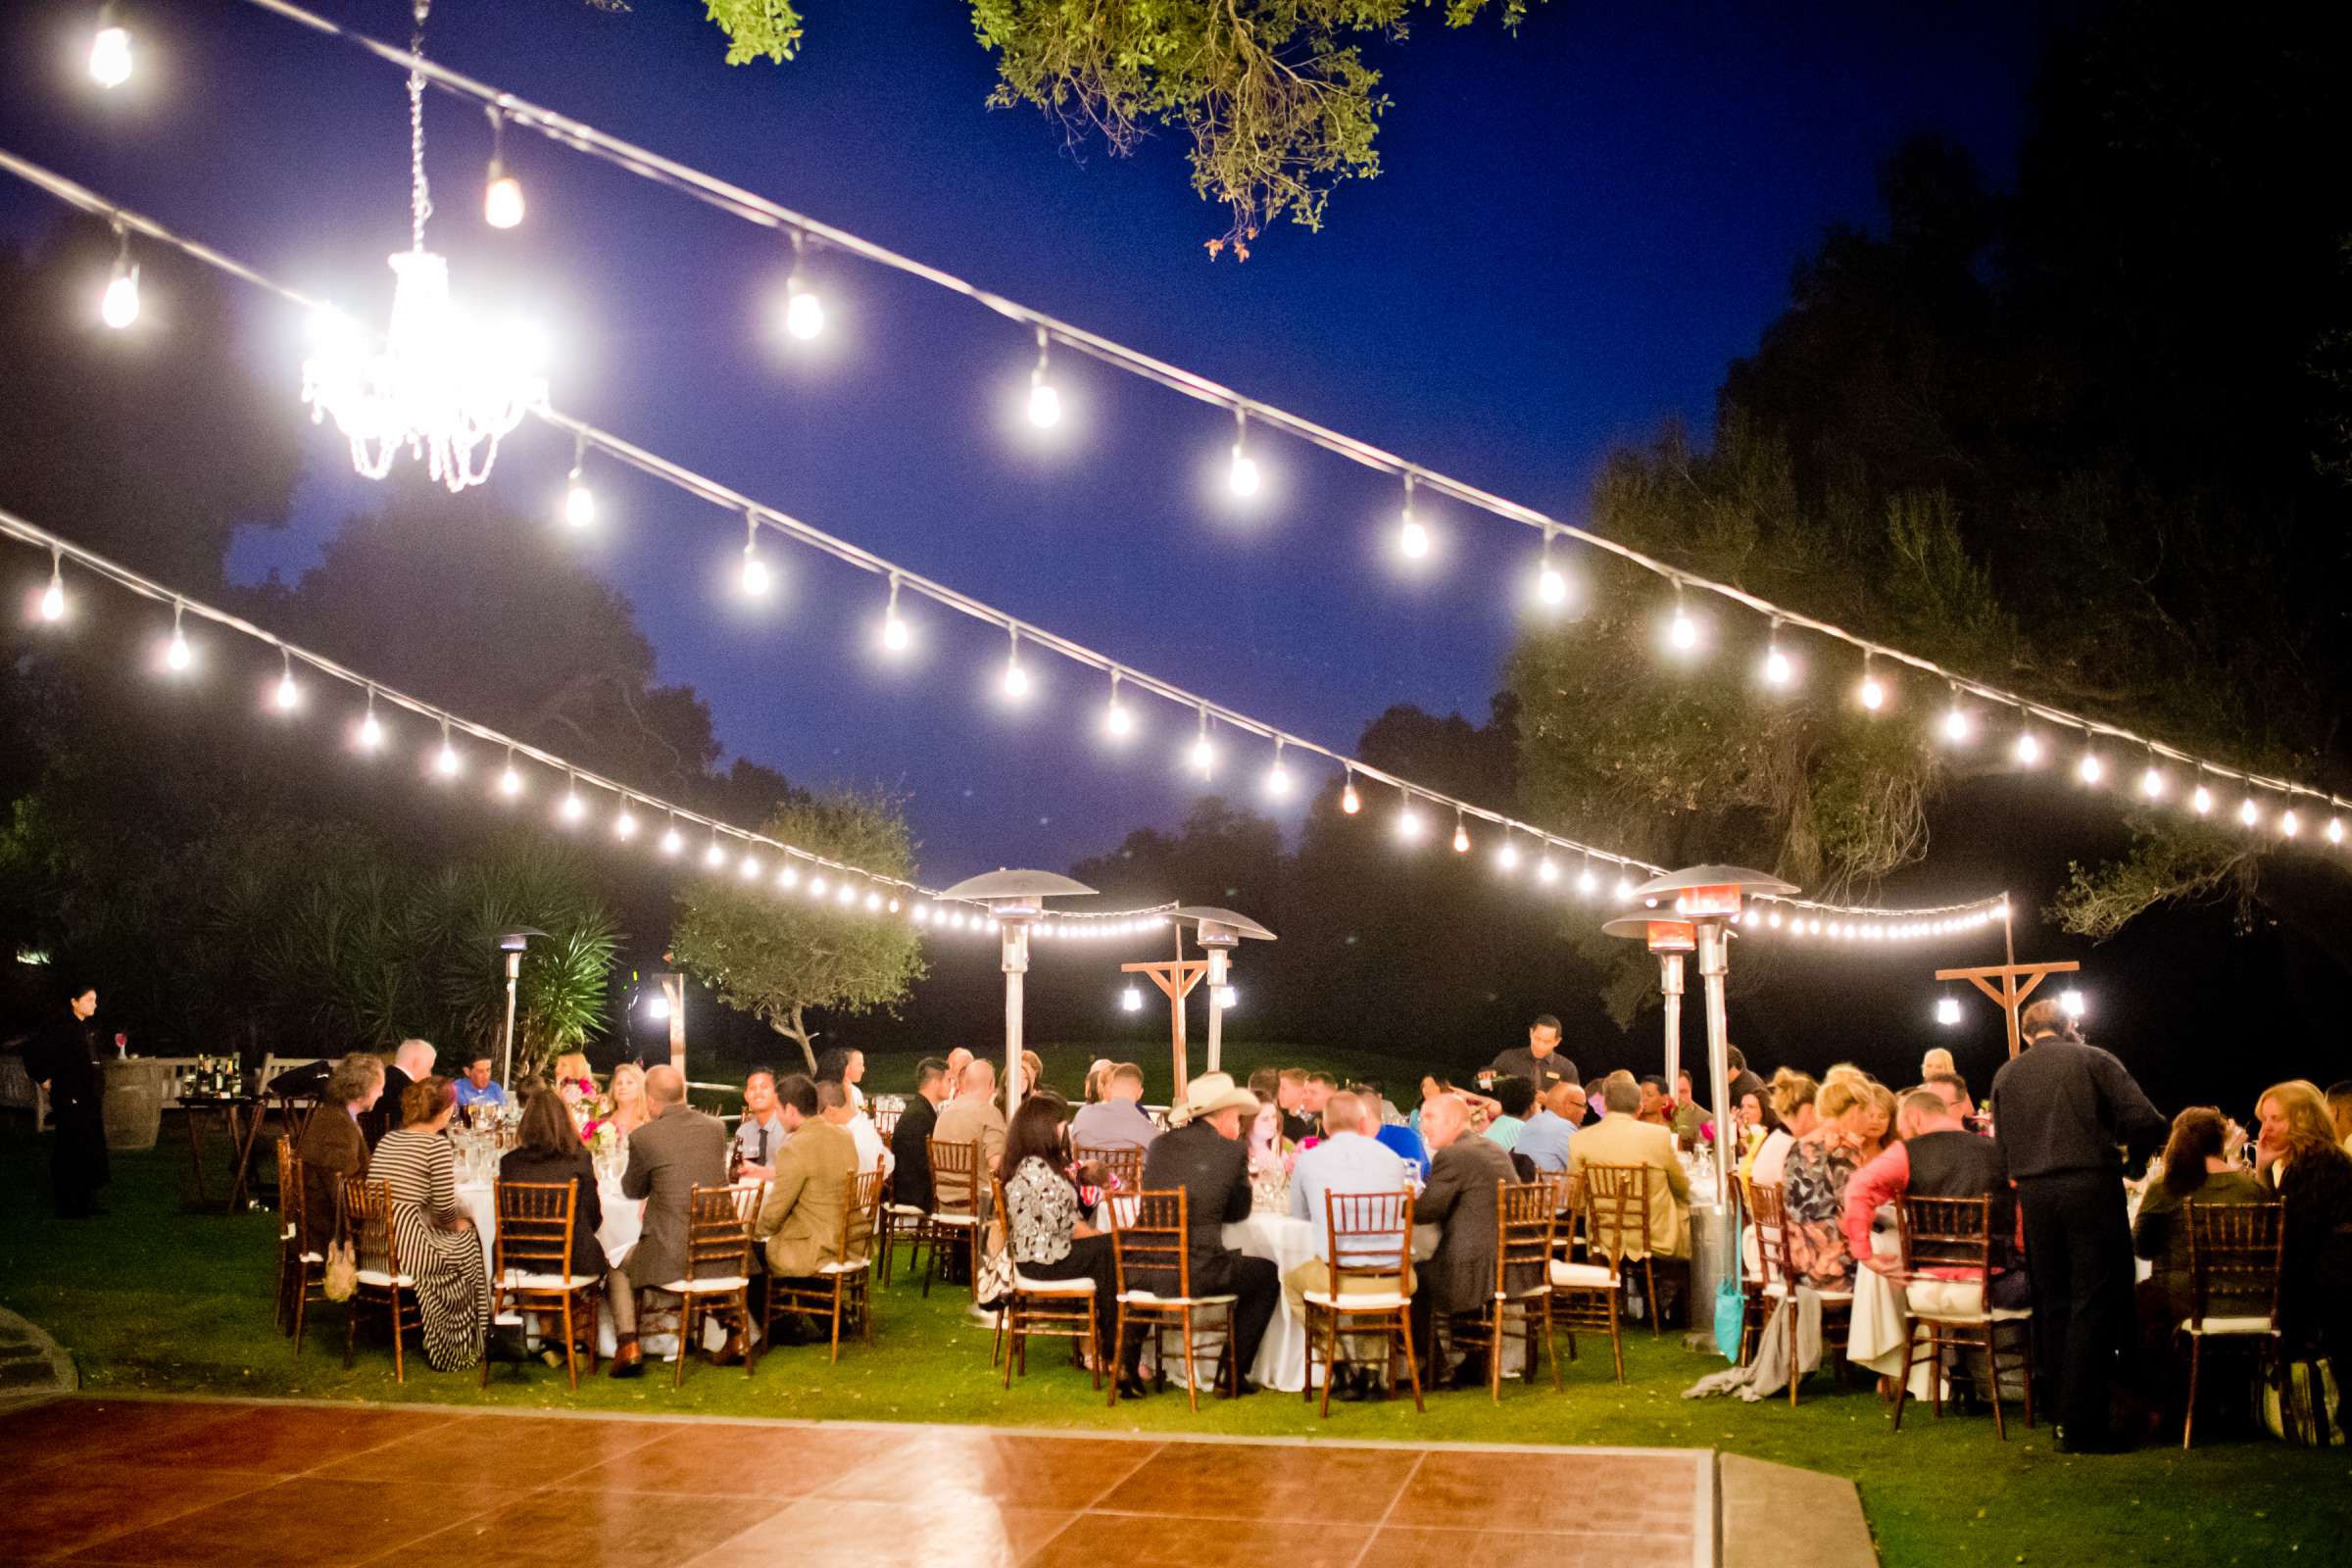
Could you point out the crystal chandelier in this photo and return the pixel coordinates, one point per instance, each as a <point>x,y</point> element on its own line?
<point>437,386</point>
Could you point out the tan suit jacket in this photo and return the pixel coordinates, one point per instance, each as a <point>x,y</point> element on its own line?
<point>968,1119</point>
<point>801,1220</point>
<point>1621,1140</point>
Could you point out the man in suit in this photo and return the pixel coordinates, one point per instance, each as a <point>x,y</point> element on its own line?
<point>62,1057</point>
<point>909,1140</point>
<point>1622,1138</point>
<point>1464,1171</point>
<point>1203,1153</point>
<point>670,1155</point>
<point>800,1222</point>
<point>414,1059</point>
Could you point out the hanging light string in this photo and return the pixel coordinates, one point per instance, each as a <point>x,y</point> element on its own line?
<point>754,208</point>
<point>1019,631</point>
<point>871,890</point>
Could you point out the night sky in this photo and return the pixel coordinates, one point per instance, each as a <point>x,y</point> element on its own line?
<point>1575,230</point>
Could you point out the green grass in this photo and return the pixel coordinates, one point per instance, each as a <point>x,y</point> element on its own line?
<point>155,1299</point>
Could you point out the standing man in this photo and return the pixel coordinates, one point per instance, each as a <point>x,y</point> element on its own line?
<point>476,1088</point>
<point>679,1149</point>
<point>910,1139</point>
<point>62,1057</point>
<point>1539,1061</point>
<point>760,1135</point>
<point>2061,1110</point>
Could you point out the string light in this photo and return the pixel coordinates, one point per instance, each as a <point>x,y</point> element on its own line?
<point>2248,813</point>
<point>1278,777</point>
<point>2151,780</point>
<point>1778,670</point>
<point>2028,749</point>
<point>754,578</point>
<point>1412,534</point>
<point>445,761</point>
<point>1507,858</point>
<point>580,501</point>
<point>1586,884</point>
<point>510,782</point>
<point>895,635</point>
<point>288,694</point>
<point>1242,477</point>
<point>672,841</point>
<point>624,822</point>
<point>1203,755</point>
<point>371,729</point>
<point>1551,586</point>
<point>804,311</point>
<point>110,50</point>
<point>1351,802</point>
<point>53,596</point>
<point>715,856</point>
<point>502,192</point>
<point>1462,836</point>
<point>176,655</point>
<point>787,876</point>
<point>1624,888</point>
<point>1955,719</point>
<point>2089,770</point>
<point>2201,801</point>
<point>2289,824</point>
<point>1118,720</point>
<point>1044,404</point>
<point>1016,679</point>
<point>571,809</point>
<point>1681,632</point>
<point>118,306</point>
<point>1546,871</point>
<point>1873,690</point>
<point>747,867</point>
<point>1408,822</point>
<point>2335,830</point>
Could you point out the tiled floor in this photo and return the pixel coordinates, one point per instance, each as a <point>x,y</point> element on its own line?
<point>192,1485</point>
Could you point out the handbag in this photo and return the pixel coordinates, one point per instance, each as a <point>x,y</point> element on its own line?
<point>1731,1318</point>
<point>995,1282</point>
<point>2302,1406</point>
<point>342,1280</point>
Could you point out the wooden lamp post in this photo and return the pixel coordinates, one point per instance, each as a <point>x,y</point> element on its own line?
<point>1218,932</point>
<point>1175,977</point>
<point>1670,940</point>
<point>1017,900</point>
<point>2016,980</point>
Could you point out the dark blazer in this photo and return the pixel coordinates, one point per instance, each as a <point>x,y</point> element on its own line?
<point>386,1114</point>
<point>61,1054</point>
<point>332,1147</point>
<point>910,1154</point>
<point>676,1152</point>
<point>587,1211</point>
<point>1460,1197</point>
<point>1214,1172</point>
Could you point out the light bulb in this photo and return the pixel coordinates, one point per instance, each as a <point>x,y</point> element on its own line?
<point>1228,998</point>
<point>1118,720</point>
<point>755,574</point>
<point>2029,750</point>
<point>714,856</point>
<point>804,312</point>
<point>371,732</point>
<point>748,868</point>
<point>1681,632</point>
<point>1242,477</point>
<point>656,1007</point>
<point>873,901</point>
<point>502,198</point>
<point>789,876</point>
<point>510,782</point>
<point>624,826</point>
<point>1773,919</point>
<point>2151,782</point>
<point>1016,679</point>
<point>1872,693</point>
<point>1413,538</point>
<point>1551,586</point>
<point>1546,871</point>
<point>1131,1000</point>
<point>573,809</point>
<point>1778,671</point>
<point>844,894</point>
<point>671,841</point>
<point>2248,813</point>
<point>2289,824</point>
<point>110,56</point>
<point>119,306</point>
<point>2070,1001</point>
<point>895,635</point>
<point>2335,830</point>
<point>176,655</point>
<point>1461,839</point>
<point>1351,802</point>
<point>816,887</point>
<point>288,694</point>
<point>2201,801</point>
<point>445,761</point>
<point>1277,780</point>
<point>1624,888</point>
<point>53,598</point>
<point>2089,770</point>
<point>1044,404</point>
<point>1587,883</point>
<point>580,501</point>
<point>1204,756</point>
<point>1507,857</point>
<point>1409,824</point>
<point>1955,723</point>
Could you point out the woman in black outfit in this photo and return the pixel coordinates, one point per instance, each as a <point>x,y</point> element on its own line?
<point>549,1149</point>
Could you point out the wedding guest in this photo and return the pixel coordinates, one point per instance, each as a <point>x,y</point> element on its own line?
<point>678,1150</point>
<point>1116,1119</point>
<point>2298,1158</point>
<point>1514,1098</point>
<point>910,1179</point>
<point>1622,1138</point>
<point>571,1072</point>
<point>973,1116</point>
<point>1657,1107</point>
<point>2199,1167</point>
<point>1320,1087</point>
<point>477,1087</point>
<point>1937,1060</point>
<point>1290,1093</point>
<point>1464,1176</point>
<point>1203,1154</point>
<point>1042,1230</point>
<point>1877,1125</point>
<point>957,1059</point>
<point>1400,1137</point>
<point>629,1108</point>
<point>799,1220</point>
<point>1349,1159</point>
<point>1744,1081</point>
<point>1098,1072</point>
<point>842,1068</point>
<point>2340,1111</point>
<point>412,1059</point>
<point>332,1147</point>
<point>1813,1185</point>
<point>1793,1096</point>
<point>547,1152</point>
<point>760,1135</point>
<point>1550,1132</point>
<point>1033,1075</point>
<point>62,1058</point>
<point>1937,1156</point>
<point>435,1236</point>
<point>1686,1116</point>
<point>1270,1160</point>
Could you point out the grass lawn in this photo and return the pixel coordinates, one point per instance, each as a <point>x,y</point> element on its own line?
<point>155,1299</point>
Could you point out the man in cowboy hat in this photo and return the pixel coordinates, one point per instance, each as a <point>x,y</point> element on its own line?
<point>1203,1153</point>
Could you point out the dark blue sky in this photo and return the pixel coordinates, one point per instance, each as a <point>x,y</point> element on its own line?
<point>1575,230</point>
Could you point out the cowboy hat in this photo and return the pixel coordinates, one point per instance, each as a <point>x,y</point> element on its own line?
<point>1209,1094</point>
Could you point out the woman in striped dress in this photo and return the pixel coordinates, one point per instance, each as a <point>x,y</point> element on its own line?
<point>438,1246</point>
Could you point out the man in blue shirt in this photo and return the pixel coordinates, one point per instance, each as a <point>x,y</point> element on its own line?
<point>1349,1159</point>
<point>1545,1137</point>
<point>1396,1136</point>
<point>476,1089</point>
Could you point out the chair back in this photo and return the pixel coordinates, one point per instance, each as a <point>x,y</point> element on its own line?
<point>368,1214</point>
<point>718,1239</point>
<point>1944,1233</point>
<point>1616,1211</point>
<point>860,1208</point>
<point>534,1228</point>
<point>2235,1254</point>
<point>1122,1167</point>
<point>1152,1244</point>
<point>291,1211</point>
<point>1523,1224</point>
<point>1370,1234</point>
<point>1772,1234</point>
<point>885,1121</point>
<point>955,1177</point>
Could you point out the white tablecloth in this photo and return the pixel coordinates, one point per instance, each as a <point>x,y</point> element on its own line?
<point>1286,1242</point>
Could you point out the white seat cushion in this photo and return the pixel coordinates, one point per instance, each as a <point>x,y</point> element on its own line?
<point>517,1279</point>
<point>1148,1298</point>
<point>1583,1276</point>
<point>1029,1286</point>
<point>848,1265</point>
<point>285,1233</point>
<point>909,1210</point>
<point>954,1220</point>
<point>2226,1325</point>
<point>1358,1300</point>
<point>716,1284</point>
<point>378,1276</point>
<point>313,1257</point>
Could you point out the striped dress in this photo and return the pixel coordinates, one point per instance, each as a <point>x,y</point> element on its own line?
<point>453,1289</point>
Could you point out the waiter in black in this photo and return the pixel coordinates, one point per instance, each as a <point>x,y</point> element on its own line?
<point>2063,1113</point>
<point>62,1057</point>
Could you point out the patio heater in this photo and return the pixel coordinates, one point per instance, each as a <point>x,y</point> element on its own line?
<point>1670,940</point>
<point>1710,899</point>
<point>1017,900</point>
<point>511,943</point>
<point>1218,932</point>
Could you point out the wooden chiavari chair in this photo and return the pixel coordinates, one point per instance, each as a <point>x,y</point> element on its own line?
<point>1057,1310</point>
<point>1781,1284</point>
<point>2236,1252</point>
<point>718,1267</point>
<point>1524,1222</point>
<point>955,1220</point>
<point>1370,1242</point>
<point>1617,1225</point>
<point>838,1290</point>
<point>530,1268</point>
<point>1583,1293</point>
<point>368,1217</point>
<point>1153,1251</point>
<point>1953,1233</point>
<point>1122,1167</point>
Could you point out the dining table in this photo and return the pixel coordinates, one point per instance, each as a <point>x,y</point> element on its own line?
<point>618,1233</point>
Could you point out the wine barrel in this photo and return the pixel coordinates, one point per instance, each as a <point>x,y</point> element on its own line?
<point>133,1105</point>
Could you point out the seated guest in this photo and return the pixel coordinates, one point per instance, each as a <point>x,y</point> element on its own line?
<point>1793,1097</point>
<point>1269,1160</point>
<point>630,1111</point>
<point>909,1146</point>
<point>957,1059</point>
<point>1813,1186</point>
<point>1877,1127</point>
<point>1265,1085</point>
<point>1516,1097</point>
<point>1744,1081</point>
<point>1623,1139</point>
<point>799,1220</point>
<point>435,1235</point>
<point>1042,1230</point>
<point>760,1135</point>
<point>1201,1152</point>
<point>1937,1060</point>
<point>547,1150</point>
<point>1460,1200</point>
<point>842,1069</point>
<point>571,1077</point>
<point>2340,1111</point>
<point>1033,1076</point>
<point>1349,1159</point>
<point>1400,1139</point>
<point>1657,1107</point>
<point>1116,1119</point>
<point>332,1147</point>
<point>973,1116</point>
<point>1938,1157</point>
<point>412,1059</point>
<point>477,1087</point>
<point>1686,1115</point>
<point>1545,1138</point>
<point>1097,1072</point>
<point>2199,1167</point>
<point>1952,1088</point>
<point>2298,1158</point>
<point>676,1150</point>
<point>1317,1093</point>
